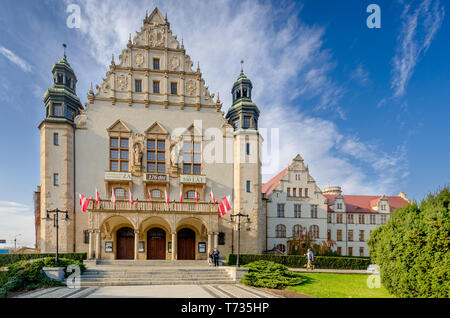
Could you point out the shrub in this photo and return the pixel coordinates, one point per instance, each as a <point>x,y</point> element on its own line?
<point>296,261</point>
<point>6,259</point>
<point>28,275</point>
<point>412,249</point>
<point>270,275</point>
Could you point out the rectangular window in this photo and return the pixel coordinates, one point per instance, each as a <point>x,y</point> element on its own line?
<point>339,235</point>
<point>156,87</point>
<point>248,186</point>
<point>247,122</point>
<point>297,210</point>
<point>56,139</point>
<point>372,219</point>
<point>138,85</point>
<point>339,218</point>
<point>57,110</point>
<point>280,210</point>
<point>86,236</point>
<point>350,219</point>
<point>361,251</point>
<point>55,179</point>
<point>221,238</point>
<point>383,219</point>
<point>294,192</point>
<point>247,150</point>
<point>350,235</point>
<point>156,64</point>
<point>329,217</point>
<point>173,88</point>
<point>300,192</point>
<point>118,154</point>
<point>314,211</point>
<point>156,155</point>
<point>350,251</point>
<point>362,219</point>
<point>288,192</point>
<point>339,206</point>
<point>192,158</point>
<point>329,235</point>
<point>306,192</point>
<point>236,124</point>
<point>361,235</point>
<point>339,250</point>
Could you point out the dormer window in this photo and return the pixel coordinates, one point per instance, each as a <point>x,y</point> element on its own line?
<point>238,94</point>
<point>59,78</point>
<point>247,121</point>
<point>244,92</point>
<point>57,110</point>
<point>339,206</point>
<point>69,82</point>
<point>70,114</point>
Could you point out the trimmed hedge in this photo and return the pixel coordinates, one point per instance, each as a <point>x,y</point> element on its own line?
<point>270,275</point>
<point>6,259</point>
<point>295,261</point>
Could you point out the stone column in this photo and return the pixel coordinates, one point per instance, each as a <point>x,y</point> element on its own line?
<point>174,246</point>
<point>216,239</point>
<point>99,245</point>
<point>210,242</point>
<point>91,245</point>
<point>136,244</point>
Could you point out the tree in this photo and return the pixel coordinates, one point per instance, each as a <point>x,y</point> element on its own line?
<point>412,249</point>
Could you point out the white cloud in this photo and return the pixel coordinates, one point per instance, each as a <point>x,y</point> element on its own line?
<point>285,59</point>
<point>419,27</point>
<point>15,59</point>
<point>360,75</point>
<point>16,219</point>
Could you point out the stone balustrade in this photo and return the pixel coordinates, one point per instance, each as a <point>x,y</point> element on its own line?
<point>154,206</point>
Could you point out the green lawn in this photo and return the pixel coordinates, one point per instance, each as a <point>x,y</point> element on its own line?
<point>339,286</point>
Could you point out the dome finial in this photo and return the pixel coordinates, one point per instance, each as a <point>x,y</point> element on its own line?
<point>242,66</point>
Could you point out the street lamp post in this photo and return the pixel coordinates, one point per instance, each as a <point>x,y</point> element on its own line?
<point>56,212</point>
<point>232,221</point>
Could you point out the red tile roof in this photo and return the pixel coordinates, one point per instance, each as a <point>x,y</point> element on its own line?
<point>268,187</point>
<point>364,203</point>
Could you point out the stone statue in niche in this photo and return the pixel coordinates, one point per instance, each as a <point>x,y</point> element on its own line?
<point>175,149</point>
<point>138,155</point>
<point>137,159</point>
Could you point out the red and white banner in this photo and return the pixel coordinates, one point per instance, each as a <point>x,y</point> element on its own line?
<point>225,206</point>
<point>84,202</point>
<point>181,196</point>
<point>97,197</point>
<point>130,197</point>
<point>166,196</point>
<point>149,196</point>
<point>196,196</point>
<point>113,197</point>
<point>212,197</point>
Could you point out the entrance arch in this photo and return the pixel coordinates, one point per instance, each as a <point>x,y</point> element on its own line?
<point>125,243</point>
<point>156,243</point>
<point>186,244</point>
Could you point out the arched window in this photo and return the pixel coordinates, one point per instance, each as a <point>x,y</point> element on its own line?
<point>120,193</point>
<point>244,92</point>
<point>314,230</point>
<point>281,247</point>
<point>280,231</point>
<point>297,231</point>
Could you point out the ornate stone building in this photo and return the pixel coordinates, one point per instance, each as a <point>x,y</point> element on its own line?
<point>150,129</point>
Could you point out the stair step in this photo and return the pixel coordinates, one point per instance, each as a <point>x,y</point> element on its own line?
<point>174,282</point>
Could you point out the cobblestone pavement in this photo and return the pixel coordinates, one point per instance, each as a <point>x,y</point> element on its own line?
<point>152,291</point>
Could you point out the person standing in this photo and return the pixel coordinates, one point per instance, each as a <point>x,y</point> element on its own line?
<point>216,257</point>
<point>211,257</point>
<point>310,258</point>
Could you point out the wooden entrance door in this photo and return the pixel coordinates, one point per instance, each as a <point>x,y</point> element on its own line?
<point>125,243</point>
<point>156,244</point>
<point>186,244</point>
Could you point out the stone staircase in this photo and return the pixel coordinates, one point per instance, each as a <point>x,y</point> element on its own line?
<point>130,273</point>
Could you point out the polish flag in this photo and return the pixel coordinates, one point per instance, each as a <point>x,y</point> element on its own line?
<point>225,206</point>
<point>167,197</point>
<point>196,196</point>
<point>181,196</point>
<point>84,202</point>
<point>113,197</point>
<point>212,197</point>
<point>149,196</point>
<point>97,197</point>
<point>130,197</point>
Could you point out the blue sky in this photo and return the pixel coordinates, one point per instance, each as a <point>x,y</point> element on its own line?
<point>368,109</point>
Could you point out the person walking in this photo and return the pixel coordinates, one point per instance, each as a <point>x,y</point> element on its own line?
<point>310,259</point>
<point>211,257</point>
<point>216,257</point>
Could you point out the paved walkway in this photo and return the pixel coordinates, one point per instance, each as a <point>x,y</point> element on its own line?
<point>331,271</point>
<point>151,291</point>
